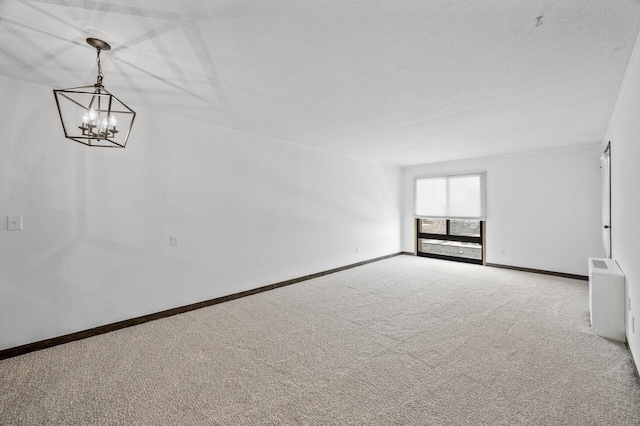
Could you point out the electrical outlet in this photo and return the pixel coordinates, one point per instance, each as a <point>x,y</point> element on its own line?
<point>356,250</point>
<point>14,223</point>
<point>502,252</point>
<point>174,240</point>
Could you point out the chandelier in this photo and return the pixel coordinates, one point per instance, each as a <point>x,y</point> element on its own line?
<point>93,116</point>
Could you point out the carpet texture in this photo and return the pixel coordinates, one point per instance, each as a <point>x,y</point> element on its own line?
<point>403,341</point>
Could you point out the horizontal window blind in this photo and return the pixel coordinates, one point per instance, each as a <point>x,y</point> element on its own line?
<point>451,197</point>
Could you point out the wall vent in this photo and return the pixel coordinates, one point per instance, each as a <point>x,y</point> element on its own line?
<point>599,264</point>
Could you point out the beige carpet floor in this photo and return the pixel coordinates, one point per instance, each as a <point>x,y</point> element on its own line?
<point>404,341</point>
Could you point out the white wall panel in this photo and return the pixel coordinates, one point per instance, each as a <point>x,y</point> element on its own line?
<point>624,134</point>
<point>543,209</point>
<point>248,211</point>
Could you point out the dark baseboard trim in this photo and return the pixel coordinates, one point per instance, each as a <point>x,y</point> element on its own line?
<point>55,341</point>
<point>540,271</point>
<point>408,253</point>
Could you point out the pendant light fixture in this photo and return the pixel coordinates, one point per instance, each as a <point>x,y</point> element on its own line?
<point>93,116</point>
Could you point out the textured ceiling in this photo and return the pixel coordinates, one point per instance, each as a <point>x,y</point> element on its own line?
<point>404,82</point>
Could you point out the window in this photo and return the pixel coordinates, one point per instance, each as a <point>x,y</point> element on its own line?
<point>456,239</point>
<point>469,228</point>
<point>450,213</point>
<point>433,226</point>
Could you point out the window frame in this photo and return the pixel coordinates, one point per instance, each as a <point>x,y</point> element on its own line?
<point>449,237</point>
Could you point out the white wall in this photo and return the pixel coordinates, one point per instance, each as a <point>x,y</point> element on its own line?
<point>543,209</point>
<point>624,134</point>
<point>248,210</point>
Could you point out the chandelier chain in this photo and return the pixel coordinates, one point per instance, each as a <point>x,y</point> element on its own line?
<point>100,75</point>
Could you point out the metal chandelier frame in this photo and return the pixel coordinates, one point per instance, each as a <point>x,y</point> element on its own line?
<point>91,115</point>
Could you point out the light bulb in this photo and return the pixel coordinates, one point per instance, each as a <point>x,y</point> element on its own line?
<point>112,121</point>
<point>85,118</point>
<point>92,114</point>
